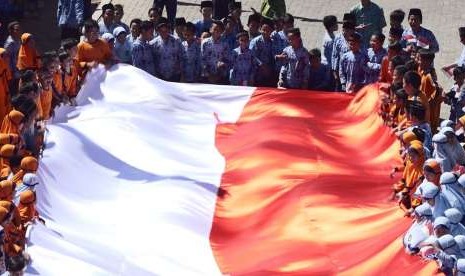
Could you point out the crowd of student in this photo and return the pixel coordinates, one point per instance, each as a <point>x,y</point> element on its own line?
<point>269,53</point>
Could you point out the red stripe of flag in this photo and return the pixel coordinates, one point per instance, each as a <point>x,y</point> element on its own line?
<point>306,189</point>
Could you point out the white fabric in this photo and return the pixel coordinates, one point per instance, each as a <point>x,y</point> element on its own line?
<point>129,177</point>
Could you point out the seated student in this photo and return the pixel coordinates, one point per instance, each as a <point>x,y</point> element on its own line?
<point>143,56</point>
<point>424,37</point>
<point>69,76</point>
<point>394,50</point>
<point>455,218</point>
<point>191,55</point>
<point>215,56</point>
<point>28,58</point>
<point>122,49</point>
<point>26,207</point>
<point>253,23</point>
<point>353,66</point>
<point>398,113</point>
<point>107,25</point>
<point>448,253</point>
<point>294,72</point>
<point>92,50</point>
<point>243,63</point>
<point>262,49</point>
<point>453,145</point>
<point>456,96</point>
<point>412,176</point>
<point>432,174</point>
<point>168,52</point>
<point>119,13</point>
<point>134,30</point>
<point>229,33</point>
<point>412,82</point>
<point>430,87</point>
<point>451,190</point>
<point>420,230</point>
<point>416,119</point>
<point>319,77</point>
<point>5,83</point>
<point>330,24</point>
<point>110,40</point>
<point>204,24</point>
<point>432,195</point>
<point>29,182</point>
<point>376,53</point>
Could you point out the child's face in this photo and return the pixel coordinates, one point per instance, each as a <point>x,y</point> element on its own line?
<point>72,52</point>
<point>118,15</point>
<point>236,13</point>
<point>216,31</point>
<point>109,15</point>
<point>266,30</point>
<point>16,31</point>
<point>164,32</point>
<point>375,43</point>
<point>244,42</point>
<point>135,29</point>
<point>391,69</point>
<point>254,27</point>
<point>206,12</point>
<point>408,88</point>
<point>430,176</point>
<point>354,45</point>
<point>121,38</point>
<point>154,16</point>
<point>315,61</point>
<point>397,76</point>
<point>188,35</point>
<point>294,40</point>
<point>92,35</point>
<point>54,66</point>
<point>278,24</point>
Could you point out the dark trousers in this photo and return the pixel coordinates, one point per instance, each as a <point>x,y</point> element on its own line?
<point>171,9</point>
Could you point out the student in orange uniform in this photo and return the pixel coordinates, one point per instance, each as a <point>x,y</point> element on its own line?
<point>5,79</point>
<point>29,164</point>
<point>28,58</point>
<point>46,95</point>
<point>93,50</point>
<point>26,207</point>
<point>430,87</point>
<point>412,82</point>
<point>69,75</point>
<point>13,123</point>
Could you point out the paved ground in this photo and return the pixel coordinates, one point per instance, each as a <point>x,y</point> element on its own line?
<point>443,17</point>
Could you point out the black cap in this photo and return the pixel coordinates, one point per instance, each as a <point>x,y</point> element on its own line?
<point>206,4</point>
<point>349,17</point>
<point>180,21</point>
<point>162,21</point>
<point>416,12</point>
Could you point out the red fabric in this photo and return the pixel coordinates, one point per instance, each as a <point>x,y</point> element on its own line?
<point>306,187</point>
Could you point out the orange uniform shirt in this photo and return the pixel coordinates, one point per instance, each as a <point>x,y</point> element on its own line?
<point>98,51</point>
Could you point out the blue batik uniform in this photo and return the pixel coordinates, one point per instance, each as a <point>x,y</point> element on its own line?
<point>262,49</point>
<point>212,52</point>
<point>168,54</point>
<point>340,47</point>
<point>202,26</point>
<point>231,40</point>
<point>374,65</point>
<point>279,43</point>
<point>353,67</point>
<point>191,65</point>
<point>328,44</point>
<point>143,56</point>
<point>244,66</point>
<point>294,73</point>
<point>123,51</point>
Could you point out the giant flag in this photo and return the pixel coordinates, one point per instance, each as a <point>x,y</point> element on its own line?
<point>146,177</point>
